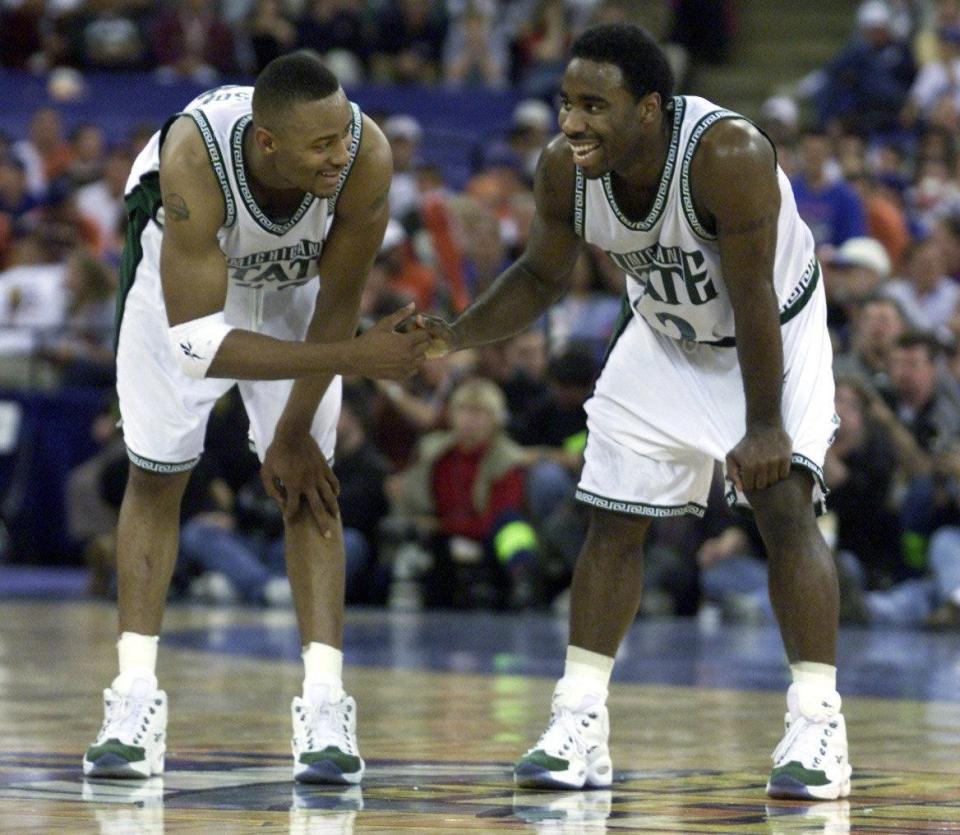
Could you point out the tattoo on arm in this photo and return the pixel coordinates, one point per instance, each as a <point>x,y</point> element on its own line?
<point>175,207</point>
<point>748,226</point>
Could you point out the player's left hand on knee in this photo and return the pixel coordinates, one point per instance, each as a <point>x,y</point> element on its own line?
<point>760,459</point>
<point>295,472</point>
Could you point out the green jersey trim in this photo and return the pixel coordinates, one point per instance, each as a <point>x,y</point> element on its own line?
<point>218,162</point>
<point>239,172</point>
<point>356,129</point>
<point>686,195</point>
<point>141,206</point>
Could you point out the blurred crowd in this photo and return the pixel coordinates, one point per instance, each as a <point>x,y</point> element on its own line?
<point>457,486</point>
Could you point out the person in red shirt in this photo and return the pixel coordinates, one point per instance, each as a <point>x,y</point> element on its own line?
<point>465,496</point>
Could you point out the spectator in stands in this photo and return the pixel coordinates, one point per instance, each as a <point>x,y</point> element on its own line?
<point>405,135</point>
<point>481,243</point>
<point>406,277</point>
<point>830,206</point>
<point>920,394</point>
<point>780,120</point>
<point>865,85</point>
<point>588,312</point>
<point>109,36</point>
<point>190,41</point>
<point>465,495</point>
<point>361,471</point>
<point>45,154</point>
<point>82,350</point>
<point>859,470</point>
<point>946,233</point>
<point>542,45</point>
<point>88,146</point>
<point>409,42</point>
<point>886,219</point>
<point>927,296</point>
<point>476,50</point>
<point>16,206</point>
<point>934,97</point>
<point>852,273</point>
<point>336,28</point>
<point>878,322</point>
<point>532,125</point>
<point>554,432</point>
<point>270,32</point>
<point>101,202</point>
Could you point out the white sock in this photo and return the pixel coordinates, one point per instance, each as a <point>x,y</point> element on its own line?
<point>322,673</point>
<point>814,690</point>
<point>586,677</point>
<point>138,659</point>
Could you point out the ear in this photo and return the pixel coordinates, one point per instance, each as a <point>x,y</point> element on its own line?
<point>649,108</point>
<point>266,141</point>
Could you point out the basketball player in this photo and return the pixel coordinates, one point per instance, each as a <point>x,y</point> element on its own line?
<point>722,354</point>
<point>236,208</point>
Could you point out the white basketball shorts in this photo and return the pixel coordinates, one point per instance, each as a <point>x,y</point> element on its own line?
<point>164,412</point>
<point>665,411</point>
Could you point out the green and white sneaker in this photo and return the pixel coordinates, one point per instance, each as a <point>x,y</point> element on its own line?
<point>132,739</point>
<point>325,738</point>
<point>572,752</point>
<point>811,763</point>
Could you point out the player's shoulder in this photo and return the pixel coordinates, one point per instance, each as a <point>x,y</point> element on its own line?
<point>374,149</point>
<point>183,146</point>
<point>556,177</point>
<point>734,139</point>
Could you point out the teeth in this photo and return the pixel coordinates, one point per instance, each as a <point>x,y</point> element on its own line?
<point>581,151</point>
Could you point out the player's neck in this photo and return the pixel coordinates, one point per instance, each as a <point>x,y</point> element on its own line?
<point>270,191</point>
<point>645,169</point>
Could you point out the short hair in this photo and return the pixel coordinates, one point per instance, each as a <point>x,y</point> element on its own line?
<point>640,58</point>
<point>920,339</point>
<point>576,366</point>
<point>288,80</point>
<point>481,393</point>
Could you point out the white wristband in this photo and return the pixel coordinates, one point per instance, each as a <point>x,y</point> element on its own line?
<point>195,343</point>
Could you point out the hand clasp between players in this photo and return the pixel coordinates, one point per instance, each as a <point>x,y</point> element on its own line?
<point>760,459</point>
<point>388,350</point>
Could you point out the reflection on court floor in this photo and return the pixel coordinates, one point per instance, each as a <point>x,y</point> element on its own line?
<point>446,702</point>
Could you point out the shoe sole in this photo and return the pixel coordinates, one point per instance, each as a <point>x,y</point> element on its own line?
<point>785,787</point>
<point>326,773</point>
<point>531,776</point>
<point>114,766</point>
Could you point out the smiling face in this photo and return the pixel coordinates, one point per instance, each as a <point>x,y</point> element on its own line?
<point>607,128</point>
<point>309,147</point>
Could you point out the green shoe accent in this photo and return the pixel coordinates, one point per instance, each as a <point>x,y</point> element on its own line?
<point>131,753</point>
<point>545,760</point>
<point>800,774</point>
<point>347,763</point>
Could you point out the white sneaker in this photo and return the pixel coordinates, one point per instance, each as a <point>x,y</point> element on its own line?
<point>132,739</point>
<point>572,752</point>
<point>811,760</point>
<point>325,738</point>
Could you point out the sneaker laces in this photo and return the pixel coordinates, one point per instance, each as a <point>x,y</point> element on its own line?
<point>803,744</point>
<point>127,717</point>
<point>328,723</point>
<point>563,732</point>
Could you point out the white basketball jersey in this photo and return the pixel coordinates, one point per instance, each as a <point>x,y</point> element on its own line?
<point>672,263</point>
<point>264,257</point>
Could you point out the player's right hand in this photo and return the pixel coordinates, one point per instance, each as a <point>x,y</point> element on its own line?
<point>442,341</point>
<point>384,353</point>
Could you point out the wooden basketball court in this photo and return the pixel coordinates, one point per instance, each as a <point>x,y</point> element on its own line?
<point>446,703</point>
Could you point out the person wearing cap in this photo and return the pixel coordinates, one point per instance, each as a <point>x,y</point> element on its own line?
<point>852,273</point>
<point>935,95</point>
<point>866,83</point>
<point>404,134</point>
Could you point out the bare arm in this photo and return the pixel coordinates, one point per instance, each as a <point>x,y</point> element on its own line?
<point>194,277</point>
<point>533,282</point>
<point>735,185</point>
<point>361,217</point>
